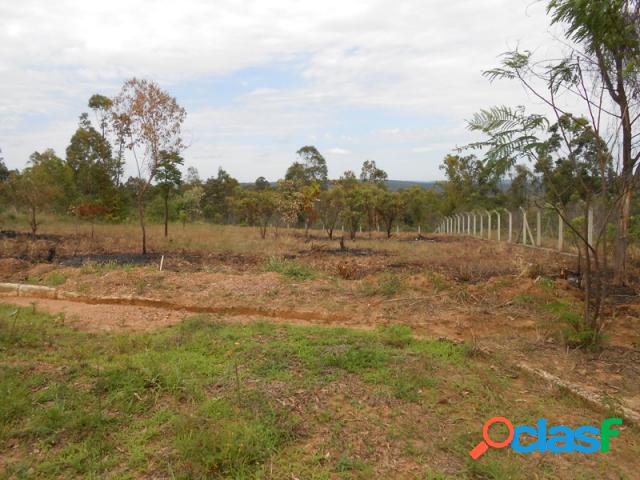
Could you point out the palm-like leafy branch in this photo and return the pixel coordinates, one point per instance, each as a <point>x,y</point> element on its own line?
<point>512,134</point>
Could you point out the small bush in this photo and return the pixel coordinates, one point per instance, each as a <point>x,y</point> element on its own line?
<point>579,334</point>
<point>55,279</point>
<point>349,271</point>
<point>290,269</point>
<point>546,283</point>
<point>398,336</point>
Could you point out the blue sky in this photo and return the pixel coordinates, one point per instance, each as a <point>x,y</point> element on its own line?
<point>387,81</point>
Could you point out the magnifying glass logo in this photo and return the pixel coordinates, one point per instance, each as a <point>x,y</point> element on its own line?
<point>483,446</point>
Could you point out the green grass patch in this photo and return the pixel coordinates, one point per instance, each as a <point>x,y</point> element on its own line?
<point>386,285</point>
<point>290,269</point>
<point>211,399</point>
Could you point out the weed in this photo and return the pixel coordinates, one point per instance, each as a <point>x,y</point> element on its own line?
<point>524,300</point>
<point>396,335</point>
<point>290,269</point>
<point>387,285</point>
<point>546,283</point>
<point>577,332</point>
<point>141,285</point>
<point>437,281</point>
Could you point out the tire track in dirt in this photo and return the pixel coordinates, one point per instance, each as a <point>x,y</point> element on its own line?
<point>48,297</point>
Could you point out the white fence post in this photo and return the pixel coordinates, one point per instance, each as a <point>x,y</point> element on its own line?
<point>539,228</point>
<point>488,225</point>
<point>524,228</point>
<point>498,216</point>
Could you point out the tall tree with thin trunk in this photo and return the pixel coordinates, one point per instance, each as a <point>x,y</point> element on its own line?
<point>151,120</point>
<point>608,34</point>
<point>169,179</point>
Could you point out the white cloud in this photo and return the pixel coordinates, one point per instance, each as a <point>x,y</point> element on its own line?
<point>407,56</point>
<point>339,151</point>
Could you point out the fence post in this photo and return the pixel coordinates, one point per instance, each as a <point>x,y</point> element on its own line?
<point>468,215</point>
<point>498,216</point>
<point>539,228</point>
<point>488,225</point>
<point>481,225</point>
<point>474,223</point>
<point>560,233</point>
<point>510,225</point>
<point>418,229</point>
<point>524,226</point>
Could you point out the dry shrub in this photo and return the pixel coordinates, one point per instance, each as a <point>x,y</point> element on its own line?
<point>350,270</point>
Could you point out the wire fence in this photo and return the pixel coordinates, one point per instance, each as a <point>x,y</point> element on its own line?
<point>534,227</point>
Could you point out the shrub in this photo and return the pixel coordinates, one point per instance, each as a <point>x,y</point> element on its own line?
<point>289,268</point>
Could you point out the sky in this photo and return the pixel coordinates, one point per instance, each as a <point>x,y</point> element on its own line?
<point>390,81</point>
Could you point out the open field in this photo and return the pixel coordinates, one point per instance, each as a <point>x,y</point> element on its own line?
<point>382,360</point>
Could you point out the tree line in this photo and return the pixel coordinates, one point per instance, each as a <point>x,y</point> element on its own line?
<point>142,125</point>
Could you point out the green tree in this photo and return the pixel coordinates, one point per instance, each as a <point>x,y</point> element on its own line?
<point>471,183</point>
<point>262,183</point>
<point>315,165</point>
<point>217,192</point>
<point>4,171</point>
<point>257,207</point>
<point>101,107</point>
<point>330,205</point>
<point>189,204</point>
<point>355,202</point>
<point>390,207</point>
<point>312,167</point>
<point>59,173</point>
<point>574,172</point>
<point>608,34</point>
<point>169,178</point>
<point>417,206</point>
<point>94,170</point>
<point>34,189</point>
<point>371,173</point>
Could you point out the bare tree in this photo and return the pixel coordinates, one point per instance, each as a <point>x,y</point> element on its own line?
<point>150,119</point>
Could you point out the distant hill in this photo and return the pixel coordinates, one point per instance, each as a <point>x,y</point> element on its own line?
<point>392,185</point>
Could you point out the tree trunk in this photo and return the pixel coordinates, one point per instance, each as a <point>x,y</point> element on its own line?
<point>34,223</point>
<point>166,215</point>
<point>620,243</point>
<point>620,248</point>
<point>142,226</point>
